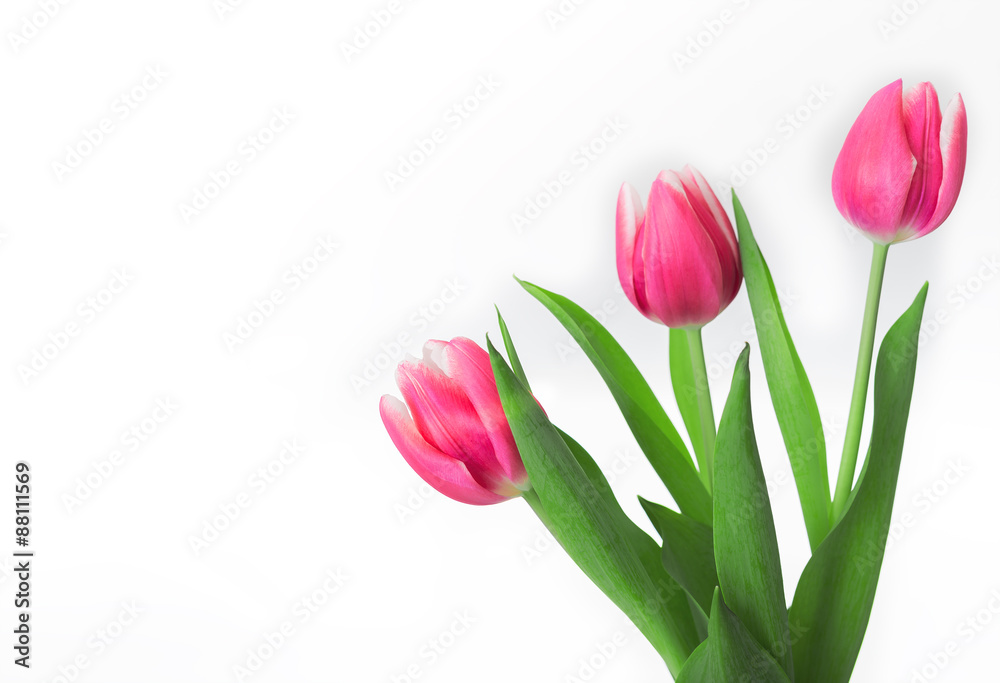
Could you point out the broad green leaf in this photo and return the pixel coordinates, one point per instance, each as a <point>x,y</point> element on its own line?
<point>746,547</point>
<point>735,654</point>
<point>595,534</point>
<point>653,430</point>
<point>682,380</point>
<point>688,554</point>
<point>791,393</point>
<point>730,654</point>
<point>698,667</point>
<point>700,618</point>
<point>590,468</point>
<point>645,547</point>
<point>834,597</point>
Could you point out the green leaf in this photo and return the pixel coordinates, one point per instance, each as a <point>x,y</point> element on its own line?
<point>682,379</point>
<point>508,343</point>
<point>834,597</point>
<point>791,393</point>
<point>730,654</point>
<point>596,534</point>
<point>646,548</point>
<point>591,469</point>
<point>688,554</point>
<point>698,667</point>
<point>653,430</point>
<point>746,547</point>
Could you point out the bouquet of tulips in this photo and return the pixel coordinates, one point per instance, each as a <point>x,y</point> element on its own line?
<point>709,595</point>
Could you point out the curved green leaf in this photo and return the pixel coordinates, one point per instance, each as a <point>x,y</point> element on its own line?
<point>595,533</point>
<point>649,553</point>
<point>730,655</point>
<point>735,655</point>
<point>646,548</point>
<point>791,393</point>
<point>698,667</point>
<point>653,430</point>
<point>508,344</point>
<point>834,597</point>
<point>746,547</point>
<point>591,469</point>
<point>688,554</point>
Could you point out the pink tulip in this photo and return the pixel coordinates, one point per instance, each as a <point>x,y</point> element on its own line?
<point>678,260</point>
<point>901,167</point>
<point>455,434</point>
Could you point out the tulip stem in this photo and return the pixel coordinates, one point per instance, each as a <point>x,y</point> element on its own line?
<point>856,416</point>
<point>705,413</point>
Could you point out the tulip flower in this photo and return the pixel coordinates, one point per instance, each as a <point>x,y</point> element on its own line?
<point>678,260</point>
<point>897,178</point>
<point>452,429</point>
<point>901,168</point>
<point>679,264</point>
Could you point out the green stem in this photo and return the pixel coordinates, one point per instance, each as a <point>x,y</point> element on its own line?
<point>856,417</point>
<point>705,413</point>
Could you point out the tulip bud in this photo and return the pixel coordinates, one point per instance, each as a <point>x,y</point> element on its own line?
<point>678,260</point>
<point>455,434</point>
<point>901,168</point>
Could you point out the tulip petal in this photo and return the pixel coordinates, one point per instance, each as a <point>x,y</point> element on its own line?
<point>718,227</point>
<point>871,178</point>
<point>922,118</point>
<point>447,419</point>
<point>954,144</point>
<point>433,353</point>
<point>469,366</point>
<point>692,178</point>
<point>639,276</point>
<point>683,273</point>
<point>628,223</point>
<point>447,475</point>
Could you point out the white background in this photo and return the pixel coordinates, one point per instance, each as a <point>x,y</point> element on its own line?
<point>349,504</point>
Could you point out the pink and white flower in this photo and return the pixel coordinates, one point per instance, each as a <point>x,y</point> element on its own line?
<point>900,170</point>
<point>452,429</point>
<point>678,259</point>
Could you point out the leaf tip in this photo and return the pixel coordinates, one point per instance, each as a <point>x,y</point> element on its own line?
<point>716,599</point>
<point>742,368</point>
<point>922,294</point>
<point>648,506</point>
